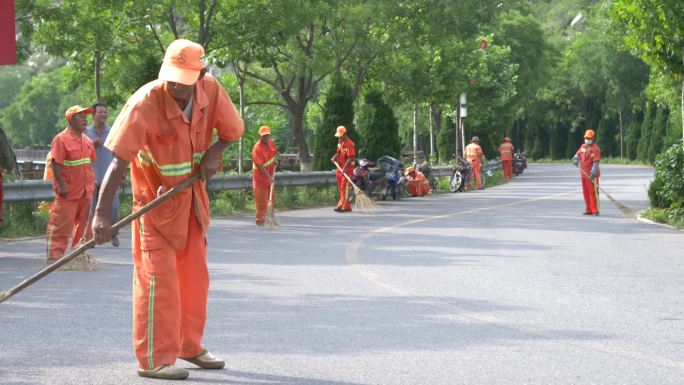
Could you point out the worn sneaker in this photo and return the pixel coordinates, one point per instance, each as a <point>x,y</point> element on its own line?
<point>165,372</point>
<point>205,360</point>
<point>115,241</point>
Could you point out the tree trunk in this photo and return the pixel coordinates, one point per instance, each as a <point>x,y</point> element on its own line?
<point>432,135</point>
<point>98,77</point>
<point>300,140</point>
<point>682,95</point>
<point>241,85</point>
<point>457,142</point>
<point>622,136</point>
<point>415,133</point>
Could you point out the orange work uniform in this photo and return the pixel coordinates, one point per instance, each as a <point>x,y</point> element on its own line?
<point>73,154</point>
<point>473,154</point>
<point>170,278</point>
<point>588,154</point>
<point>263,155</point>
<point>345,150</point>
<point>416,184</point>
<point>506,154</point>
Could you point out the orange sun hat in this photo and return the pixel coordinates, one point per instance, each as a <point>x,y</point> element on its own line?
<point>589,133</point>
<point>73,110</point>
<point>182,62</point>
<point>341,130</point>
<point>264,130</point>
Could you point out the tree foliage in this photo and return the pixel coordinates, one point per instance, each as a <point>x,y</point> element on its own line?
<point>378,128</point>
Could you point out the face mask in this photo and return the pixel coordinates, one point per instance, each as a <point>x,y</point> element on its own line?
<point>588,141</point>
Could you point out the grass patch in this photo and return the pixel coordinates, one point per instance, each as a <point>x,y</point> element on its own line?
<point>24,219</point>
<point>667,216</point>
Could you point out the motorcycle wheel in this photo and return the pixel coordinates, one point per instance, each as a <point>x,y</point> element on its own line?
<point>456,182</point>
<point>483,180</point>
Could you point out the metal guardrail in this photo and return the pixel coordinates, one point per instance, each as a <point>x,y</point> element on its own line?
<point>41,190</point>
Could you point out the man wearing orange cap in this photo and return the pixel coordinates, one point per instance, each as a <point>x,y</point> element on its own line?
<point>72,153</point>
<point>416,184</point>
<point>474,155</point>
<point>344,157</point>
<point>506,153</point>
<point>587,158</point>
<point>263,172</point>
<point>165,133</point>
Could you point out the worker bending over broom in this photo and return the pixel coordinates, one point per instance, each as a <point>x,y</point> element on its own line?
<point>164,131</point>
<point>264,156</point>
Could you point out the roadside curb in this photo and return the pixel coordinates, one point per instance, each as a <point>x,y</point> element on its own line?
<point>642,219</point>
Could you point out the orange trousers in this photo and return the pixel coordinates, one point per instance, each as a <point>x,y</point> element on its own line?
<point>342,186</point>
<point>507,169</point>
<point>261,202</point>
<point>475,175</point>
<point>591,195</point>
<point>418,188</point>
<point>170,288</point>
<point>67,218</point>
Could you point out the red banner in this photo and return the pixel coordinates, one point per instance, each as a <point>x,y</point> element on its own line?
<point>8,40</point>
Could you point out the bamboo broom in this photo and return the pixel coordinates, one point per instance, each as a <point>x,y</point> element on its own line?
<point>270,211</point>
<point>362,201</point>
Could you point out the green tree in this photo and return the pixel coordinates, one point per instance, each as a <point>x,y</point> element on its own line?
<point>446,140</point>
<point>654,30</point>
<point>338,110</point>
<point>633,137</point>
<point>378,128</point>
<point>655,146</point>
<point>37,113</point>
<point>646,132</point>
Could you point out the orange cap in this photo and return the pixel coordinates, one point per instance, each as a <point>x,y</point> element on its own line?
<point>182,62</point>
<point>73,110</point>
<point>264,130</point>
<point>589,134</point>
<point>341,130</point>
<point>410,170</point>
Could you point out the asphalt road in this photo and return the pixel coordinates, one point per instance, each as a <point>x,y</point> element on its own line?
<point>511,285</point>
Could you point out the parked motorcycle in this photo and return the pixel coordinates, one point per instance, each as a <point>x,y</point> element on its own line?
<point>372,181</point>
<point>394,171</point>
<point>519,163</point>
<point>460,174</point>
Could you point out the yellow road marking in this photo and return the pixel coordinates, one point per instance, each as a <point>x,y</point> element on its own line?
<point>352,257</point>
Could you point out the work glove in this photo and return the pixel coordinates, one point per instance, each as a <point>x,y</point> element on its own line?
<point>575,161</point>
<point>594,170</point>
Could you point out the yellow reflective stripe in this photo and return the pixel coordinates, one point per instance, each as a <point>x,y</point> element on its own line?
<point>76,162</point>
<point>150,325</point>
<point>268,162</point>
<point>176,169</point>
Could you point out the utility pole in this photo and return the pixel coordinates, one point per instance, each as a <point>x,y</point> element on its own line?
<point>432,136</point>
<point>415,133</point>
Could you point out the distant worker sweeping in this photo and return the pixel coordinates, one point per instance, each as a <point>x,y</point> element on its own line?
<point>587,159</point>
<point>344,162</point>
<point>165,133</point>
<point>264,156</point>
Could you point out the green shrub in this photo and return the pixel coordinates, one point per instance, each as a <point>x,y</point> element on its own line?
<point>655,195</point>
<point>24,219</point>
<point>669,168</point>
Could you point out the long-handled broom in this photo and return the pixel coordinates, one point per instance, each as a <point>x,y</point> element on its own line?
<point>5,295</point>
<point>270,211</point>
<point>626,211</point>
<point>362,201</point>
<point>84,261</point>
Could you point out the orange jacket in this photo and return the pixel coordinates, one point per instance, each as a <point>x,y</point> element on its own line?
<point>473,153</point>
<point>73,155</point>
<point>506,151</point>
<point>164,148</point>
<point>345,150</point>
<point>263,155</point>
<point>588,155</point>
